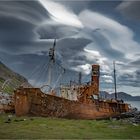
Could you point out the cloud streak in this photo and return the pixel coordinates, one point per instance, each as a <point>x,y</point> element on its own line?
<point>84,37</point>
<point>61,14</point>
<point>130,9</point>
<point>112,31</point>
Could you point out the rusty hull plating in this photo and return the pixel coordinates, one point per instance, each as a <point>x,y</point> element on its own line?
<point>32,101</point>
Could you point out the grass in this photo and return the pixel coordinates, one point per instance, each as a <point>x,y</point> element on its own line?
<point>54,128</point>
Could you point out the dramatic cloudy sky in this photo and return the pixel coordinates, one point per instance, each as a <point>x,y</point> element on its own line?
<point>87,32</point>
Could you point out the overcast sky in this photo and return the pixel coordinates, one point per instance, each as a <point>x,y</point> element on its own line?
<point>87,32</point>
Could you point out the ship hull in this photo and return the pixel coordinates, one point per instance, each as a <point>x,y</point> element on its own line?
<point>31,101</point>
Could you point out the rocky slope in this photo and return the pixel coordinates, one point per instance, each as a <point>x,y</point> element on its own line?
<point>10,80</point>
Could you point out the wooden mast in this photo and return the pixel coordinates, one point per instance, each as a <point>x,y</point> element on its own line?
<point>115,81</point>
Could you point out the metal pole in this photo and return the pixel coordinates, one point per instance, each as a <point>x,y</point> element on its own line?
<point>115,80</point>
<point>80,78</point>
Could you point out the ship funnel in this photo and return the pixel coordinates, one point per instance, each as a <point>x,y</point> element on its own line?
<point>95,76</point>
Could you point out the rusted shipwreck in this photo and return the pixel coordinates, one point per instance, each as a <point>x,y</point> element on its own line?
<point>78,102</point>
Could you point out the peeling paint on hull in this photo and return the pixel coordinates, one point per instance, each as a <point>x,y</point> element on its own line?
<point>31,101</point>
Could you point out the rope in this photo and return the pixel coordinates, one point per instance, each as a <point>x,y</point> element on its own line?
<point>41,73</point>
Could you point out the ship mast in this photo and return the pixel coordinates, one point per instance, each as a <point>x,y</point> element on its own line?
<point>51,62</point>
<point>80,78</point>
<point>115,81</point>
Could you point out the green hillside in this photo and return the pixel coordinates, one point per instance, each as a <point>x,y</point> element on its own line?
<point>9,80</point>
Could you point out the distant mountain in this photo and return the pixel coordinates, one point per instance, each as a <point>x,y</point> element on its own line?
<point>10,80</point>
<point>121,95</point>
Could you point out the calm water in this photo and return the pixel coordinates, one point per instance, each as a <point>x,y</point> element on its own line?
<point>134,104</point>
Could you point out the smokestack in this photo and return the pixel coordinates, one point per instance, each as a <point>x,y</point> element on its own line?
<point>95,76</point>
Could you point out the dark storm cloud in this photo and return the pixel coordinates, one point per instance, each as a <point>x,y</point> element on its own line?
<point>14,33</point>
<point>76,5</point>
<point>135,63</point>
<point>18,21</point>
<point>79,5</point>
<point>34,68</point>
<point>128,74</point>
<point>31,66</point>
<point>128,79</point>
<point>130,9</point>
<point>18,36</point>
<point>28,29</point>
<point>49,31</point>
<point>30,11</point>
<point>21,35</point>
<point>31,47</point>
<point>101,43</point>
<point>69,50</point>
<point>20,31</point>
<point>72,44</point>
<point>12,28</point>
